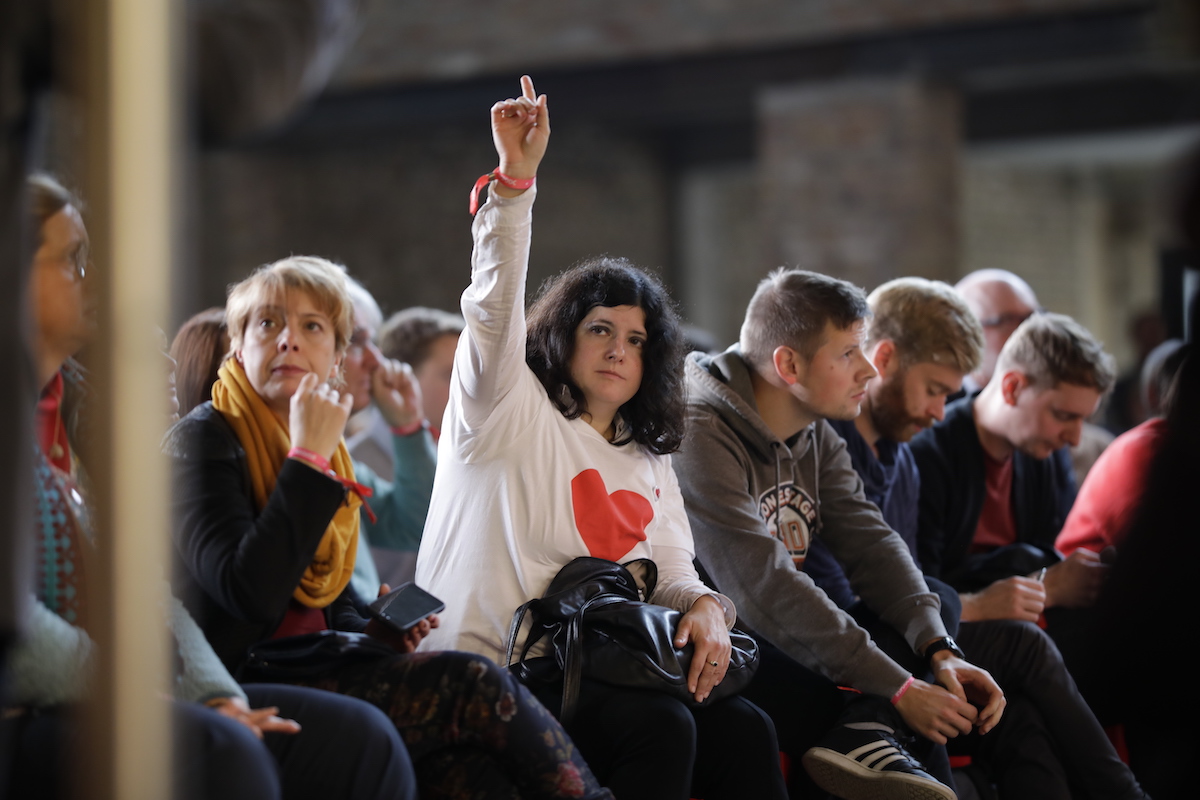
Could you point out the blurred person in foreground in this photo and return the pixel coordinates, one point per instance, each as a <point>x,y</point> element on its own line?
<point>1148,600</point>
<point>1113,490</point>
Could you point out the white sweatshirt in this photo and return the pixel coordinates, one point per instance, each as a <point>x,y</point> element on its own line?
<point>521,490</point>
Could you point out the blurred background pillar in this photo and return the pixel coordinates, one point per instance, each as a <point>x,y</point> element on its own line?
<point>859,178</point>
<point>128,76</point>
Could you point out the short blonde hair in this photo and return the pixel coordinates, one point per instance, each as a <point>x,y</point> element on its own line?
<point>1053,348</point>
<point>928,321</point>
<point>323,281</point>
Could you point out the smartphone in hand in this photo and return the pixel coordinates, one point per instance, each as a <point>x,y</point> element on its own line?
<point>403,607</point>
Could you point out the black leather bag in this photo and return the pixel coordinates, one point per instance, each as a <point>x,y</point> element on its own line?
<point>308,656</point>
<point>598,627</point>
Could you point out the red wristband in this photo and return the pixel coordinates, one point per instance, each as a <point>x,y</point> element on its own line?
<point>511,182</point>
<point>900,692</point>
<point>316,459</point>
<point>505,180</point>
<point>411,428</point>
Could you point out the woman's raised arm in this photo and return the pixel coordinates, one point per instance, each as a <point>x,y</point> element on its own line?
<point>491,356</point>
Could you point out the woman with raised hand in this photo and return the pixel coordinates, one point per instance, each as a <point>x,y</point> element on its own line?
<point>267,516</point>
<point>555,445</point>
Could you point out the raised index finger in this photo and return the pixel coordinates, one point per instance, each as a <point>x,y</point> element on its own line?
<point>527,88</point>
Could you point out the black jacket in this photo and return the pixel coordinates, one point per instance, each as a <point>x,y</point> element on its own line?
<point>236,567</point>
<point>951,461</point>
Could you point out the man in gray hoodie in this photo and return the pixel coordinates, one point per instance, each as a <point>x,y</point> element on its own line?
<point>762,474</point>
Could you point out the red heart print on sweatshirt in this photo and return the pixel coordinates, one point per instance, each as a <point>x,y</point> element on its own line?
<point>611,524</point>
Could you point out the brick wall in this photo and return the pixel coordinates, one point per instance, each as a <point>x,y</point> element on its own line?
<point>407,42</point>
<point>395,210</point>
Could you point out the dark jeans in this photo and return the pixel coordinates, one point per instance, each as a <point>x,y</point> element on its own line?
<point>346,749</point>
<point>488,736</point>
<point>1049,736</point>
<point>647,745</point>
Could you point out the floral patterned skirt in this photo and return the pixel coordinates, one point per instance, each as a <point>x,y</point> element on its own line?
<point>472,730</point>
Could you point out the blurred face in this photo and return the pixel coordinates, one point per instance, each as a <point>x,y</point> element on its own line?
<point>1044,420</point>
<point>607,363</point>
<point>65,318</point>
<point>1000,310</point>
<point>360,362</point>
<point>834,383</point>
<point>906,401</point>
<point>434,377</point>
<point>286,338</point>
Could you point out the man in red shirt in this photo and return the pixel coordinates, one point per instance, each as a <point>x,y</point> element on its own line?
<point>992,496</point>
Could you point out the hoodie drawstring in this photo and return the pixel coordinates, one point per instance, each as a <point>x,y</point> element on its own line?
<point>776,446</point>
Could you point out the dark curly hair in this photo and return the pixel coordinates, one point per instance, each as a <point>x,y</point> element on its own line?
<point>655,415</point>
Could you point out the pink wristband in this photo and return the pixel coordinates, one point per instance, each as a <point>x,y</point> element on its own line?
<point>900,692</point>
<point>500,177</point>
<point>411,428</point>
<point>513,183</point>
<point>317,460</point>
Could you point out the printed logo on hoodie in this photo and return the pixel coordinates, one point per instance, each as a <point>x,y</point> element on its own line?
<point>797,516</point>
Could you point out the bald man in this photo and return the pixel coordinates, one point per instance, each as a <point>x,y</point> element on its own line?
<point>1000,300</point>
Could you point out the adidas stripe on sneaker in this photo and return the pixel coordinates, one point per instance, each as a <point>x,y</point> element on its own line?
<point>864,761</point>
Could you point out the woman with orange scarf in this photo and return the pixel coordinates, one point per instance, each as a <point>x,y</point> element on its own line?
<point>266,529</point>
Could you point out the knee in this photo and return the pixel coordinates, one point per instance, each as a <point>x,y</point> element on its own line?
<point>1031,646</point>
<point>668,722</point>
<point>217,757</point>
<point>378,733</point>
<point>383,759</point>
<point>738,720</point>
<point>475,669</point>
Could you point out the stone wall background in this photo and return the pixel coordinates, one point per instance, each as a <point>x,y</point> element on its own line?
<point>892,153</point>
<point>406,42</point>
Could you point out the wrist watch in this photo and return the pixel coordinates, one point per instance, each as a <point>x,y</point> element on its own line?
<point>938,645</point>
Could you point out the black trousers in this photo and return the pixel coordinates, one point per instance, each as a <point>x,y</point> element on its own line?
<point>347,748</point>
<point>648,746</point>
<point>803,704</point>
<point>1049,736</point>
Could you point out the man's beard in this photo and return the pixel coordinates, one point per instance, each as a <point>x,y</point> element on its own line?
<point>889,415</point>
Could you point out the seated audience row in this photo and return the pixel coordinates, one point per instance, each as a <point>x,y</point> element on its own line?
<point>895,590</point>
<point>923,340</point>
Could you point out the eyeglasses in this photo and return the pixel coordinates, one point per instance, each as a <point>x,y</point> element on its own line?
<point>79,262</point>
<point>1009,319</point>
<point>358,343</point>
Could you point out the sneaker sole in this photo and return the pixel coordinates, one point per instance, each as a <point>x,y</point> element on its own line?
<point>846,778</point>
